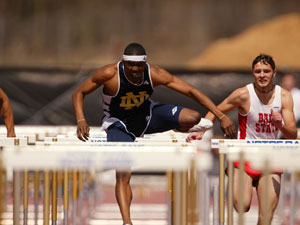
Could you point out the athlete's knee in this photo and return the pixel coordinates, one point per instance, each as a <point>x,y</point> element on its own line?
<point>190,116</point>
<point>123,177</point>
<point>265,218</point>
<point>268,211</point>
<point>195,117</point>
<point>246,206</point>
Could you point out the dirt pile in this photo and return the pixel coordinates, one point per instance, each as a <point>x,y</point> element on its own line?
<point>279,37</point>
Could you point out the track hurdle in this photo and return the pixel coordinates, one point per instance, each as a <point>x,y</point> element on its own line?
<point>182,176</point>
<point>263,154</point>
<point>4,142</point>
<point>34,135</point>
<point>160,140</point>
<point>2,189</point>
<point>37,151</point>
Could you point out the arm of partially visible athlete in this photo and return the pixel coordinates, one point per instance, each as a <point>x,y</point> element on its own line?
<point>90,85</point>
<point>288,128</point>
<point>237,98</point>
<point>162,77</point>
<point>7,114</point>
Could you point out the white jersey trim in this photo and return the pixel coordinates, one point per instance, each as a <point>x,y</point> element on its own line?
<point>107,98</point>
<point>150,78</point>
<point>255,128</point>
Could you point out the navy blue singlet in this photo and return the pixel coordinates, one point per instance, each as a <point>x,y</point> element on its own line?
<point>131,104</point>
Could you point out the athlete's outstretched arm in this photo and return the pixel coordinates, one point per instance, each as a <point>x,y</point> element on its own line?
<point>285,121</point>
<point>7,114</point>
<point>162,77</point>
<point>237,98</point>
<point>91,84</point>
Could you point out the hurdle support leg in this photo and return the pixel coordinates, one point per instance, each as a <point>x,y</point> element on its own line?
<point>54,198</point>
<point>25,200</point>
<point>184,199</point>
<point>80,195</point>
<point>66,197</point>
<point>230,193</point>
<point>177,198</point>
<point>2,189</point>
<point>221,188</point>
<point>46,197</point>
<point>17,197</point>
<point>266,199</point>
<point>179,195</point>
<point>36,196</point>
<point>171,197</point>
<point>74,195</point>
<point>60,179</point>
<point>193,194</point>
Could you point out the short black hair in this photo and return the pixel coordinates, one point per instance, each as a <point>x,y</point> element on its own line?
<point>134,49</point>
<point>265,59</point>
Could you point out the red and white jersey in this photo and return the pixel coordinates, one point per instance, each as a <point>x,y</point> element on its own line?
<point>257,123</point>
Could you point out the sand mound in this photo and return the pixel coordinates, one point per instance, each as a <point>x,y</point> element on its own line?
<point>279,37</point>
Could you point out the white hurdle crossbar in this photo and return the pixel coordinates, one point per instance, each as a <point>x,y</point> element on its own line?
<point>100,156</point>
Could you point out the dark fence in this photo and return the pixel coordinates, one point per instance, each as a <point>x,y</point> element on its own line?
<point>44,96</point>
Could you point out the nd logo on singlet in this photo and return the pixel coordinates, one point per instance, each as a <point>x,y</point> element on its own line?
<point>130,100</point>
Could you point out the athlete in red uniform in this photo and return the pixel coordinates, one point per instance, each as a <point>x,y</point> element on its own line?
<point>264,110</point>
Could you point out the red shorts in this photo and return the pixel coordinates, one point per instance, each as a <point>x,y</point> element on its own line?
<point>251,172</point>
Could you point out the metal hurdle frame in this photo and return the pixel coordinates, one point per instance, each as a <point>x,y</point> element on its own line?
<point>181,176</point>
<point>45,135</point>
<point>4,142</point>
<point>36,135</point>
<point>166,139</point>
<point>250,150</point>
